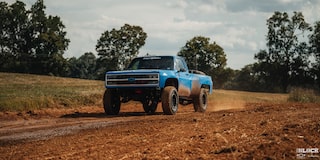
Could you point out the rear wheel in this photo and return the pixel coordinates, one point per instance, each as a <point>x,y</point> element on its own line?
<point>170,100</point>
<point>200,102</point>
<point>111,102</point>
<point>150,105</point>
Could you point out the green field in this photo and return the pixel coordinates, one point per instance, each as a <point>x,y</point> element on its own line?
<point>20,92</point>
<point>25,92</point>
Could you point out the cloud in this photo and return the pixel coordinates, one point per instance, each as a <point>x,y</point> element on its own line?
<point>176,4</point>
<point>238,26</point>
<point>265,6</point>
<point>311,11</point>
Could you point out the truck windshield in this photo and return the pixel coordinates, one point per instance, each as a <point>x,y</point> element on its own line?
<point>165,63</point>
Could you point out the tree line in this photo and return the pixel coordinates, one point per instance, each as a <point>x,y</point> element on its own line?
<point>33,42</point>
<point>292,57</point>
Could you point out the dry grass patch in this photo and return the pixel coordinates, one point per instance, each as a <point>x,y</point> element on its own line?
<point>19,92</point>
<point>303,95</point>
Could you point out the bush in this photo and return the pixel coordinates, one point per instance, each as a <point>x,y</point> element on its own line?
<point>303,95</point>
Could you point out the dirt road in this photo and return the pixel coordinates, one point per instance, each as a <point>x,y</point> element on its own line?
<point>240,131</point>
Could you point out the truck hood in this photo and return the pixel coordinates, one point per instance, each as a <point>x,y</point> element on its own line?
<point>134,71</point>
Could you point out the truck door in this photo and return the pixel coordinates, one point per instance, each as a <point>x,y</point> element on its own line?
<point>185,78</point>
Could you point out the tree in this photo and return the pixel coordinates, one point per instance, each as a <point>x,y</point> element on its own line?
<point>13,28</point>
<point>31,41</point>
<point>315,50</point>
<point>208,57</point>
<point>287,58</point>
<point>116,48</point>
<point>243,79</point>
<point>83,67</point>
<point>5,53</point>
<point>48,40</point>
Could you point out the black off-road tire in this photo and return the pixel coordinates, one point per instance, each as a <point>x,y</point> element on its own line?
<point>200,102</point>
<point>150,106</point>
<point>170,100</point>
<point>111,102</point>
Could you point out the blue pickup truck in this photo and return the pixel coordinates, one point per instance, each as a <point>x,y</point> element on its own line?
<point>154,79</point>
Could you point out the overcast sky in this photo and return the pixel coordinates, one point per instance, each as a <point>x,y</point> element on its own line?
<point>238,26</point>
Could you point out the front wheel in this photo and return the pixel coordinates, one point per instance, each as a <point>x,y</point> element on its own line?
<point>170,100</point>
<point>111,102</point>
<point>200,102</point>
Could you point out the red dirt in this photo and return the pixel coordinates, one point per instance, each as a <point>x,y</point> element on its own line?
<point>243,131</point>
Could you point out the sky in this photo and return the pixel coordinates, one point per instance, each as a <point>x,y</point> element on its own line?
<point>238,26</point>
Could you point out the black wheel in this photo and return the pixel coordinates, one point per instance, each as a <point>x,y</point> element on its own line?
<point>200,102</point>
<point>170,100</point>
<point>111,102</point>
<point>150,105</point>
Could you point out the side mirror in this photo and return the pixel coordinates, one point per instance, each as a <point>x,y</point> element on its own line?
<point>182,70</point>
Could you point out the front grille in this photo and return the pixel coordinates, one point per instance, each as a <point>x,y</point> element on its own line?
<point>132,80</point>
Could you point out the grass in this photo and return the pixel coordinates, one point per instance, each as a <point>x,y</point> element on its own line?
<point>20,92</point>
<point>303,95</point>
<point>25,92</point>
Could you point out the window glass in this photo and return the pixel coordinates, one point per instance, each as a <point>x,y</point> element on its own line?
<point>164,63</point>
<point>180,65</point>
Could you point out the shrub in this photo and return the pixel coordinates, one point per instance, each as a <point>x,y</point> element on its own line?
<point>303,95</point>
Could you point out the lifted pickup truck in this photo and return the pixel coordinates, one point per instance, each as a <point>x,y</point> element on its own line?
<point>152,79</point>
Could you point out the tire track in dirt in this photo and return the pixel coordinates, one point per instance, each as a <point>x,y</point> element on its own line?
<point>46,128</point>
<point>43,132</point>
<point>43,129</point>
